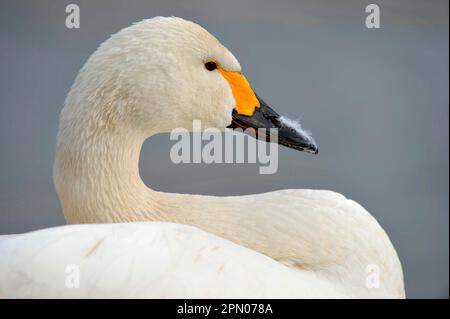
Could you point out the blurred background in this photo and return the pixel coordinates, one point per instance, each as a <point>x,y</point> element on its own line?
<point>376,101</point>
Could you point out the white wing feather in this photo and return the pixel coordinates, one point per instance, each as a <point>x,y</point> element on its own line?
<point>145,260</point>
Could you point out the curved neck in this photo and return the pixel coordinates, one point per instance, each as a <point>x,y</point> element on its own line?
<point>97,175</point>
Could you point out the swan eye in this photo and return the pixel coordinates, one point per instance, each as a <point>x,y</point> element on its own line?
<point>211,65</point>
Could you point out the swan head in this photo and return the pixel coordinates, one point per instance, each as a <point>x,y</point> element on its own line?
<point>163,73</point>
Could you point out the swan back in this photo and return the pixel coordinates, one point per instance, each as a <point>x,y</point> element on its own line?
<point>145,260</point>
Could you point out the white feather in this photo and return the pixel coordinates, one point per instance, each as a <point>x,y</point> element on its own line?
<point>295,125</point>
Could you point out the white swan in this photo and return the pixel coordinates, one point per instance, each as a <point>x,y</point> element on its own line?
<point>152,77</point>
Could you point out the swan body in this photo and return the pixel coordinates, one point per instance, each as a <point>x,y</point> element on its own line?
<point>146,260</point>
<point>151,78</point>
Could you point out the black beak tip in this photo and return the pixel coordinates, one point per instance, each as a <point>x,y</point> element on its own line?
<point>306,144</point>
<point>311,148</point>
<point>314,149</point>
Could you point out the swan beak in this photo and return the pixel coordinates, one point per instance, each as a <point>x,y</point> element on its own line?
<point>265,117</point>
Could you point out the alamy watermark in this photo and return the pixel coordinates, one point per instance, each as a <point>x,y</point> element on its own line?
<point>73,16</point>
<point>373,19</point>
<point>373,276</point>
<point>235,146</point>
<point>72,276</point>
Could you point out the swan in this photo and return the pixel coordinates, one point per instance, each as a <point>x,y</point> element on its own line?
<point>154,76</point>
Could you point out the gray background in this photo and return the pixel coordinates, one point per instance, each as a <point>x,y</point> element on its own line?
<point>375,100</point>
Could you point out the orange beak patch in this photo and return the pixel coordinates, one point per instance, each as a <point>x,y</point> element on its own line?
<point>245,98</point>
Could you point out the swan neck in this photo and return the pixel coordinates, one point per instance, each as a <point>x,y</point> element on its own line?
<point>97,176</point>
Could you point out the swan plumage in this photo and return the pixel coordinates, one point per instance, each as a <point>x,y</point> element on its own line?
<point>146,260</point>
<point>150,78</point>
